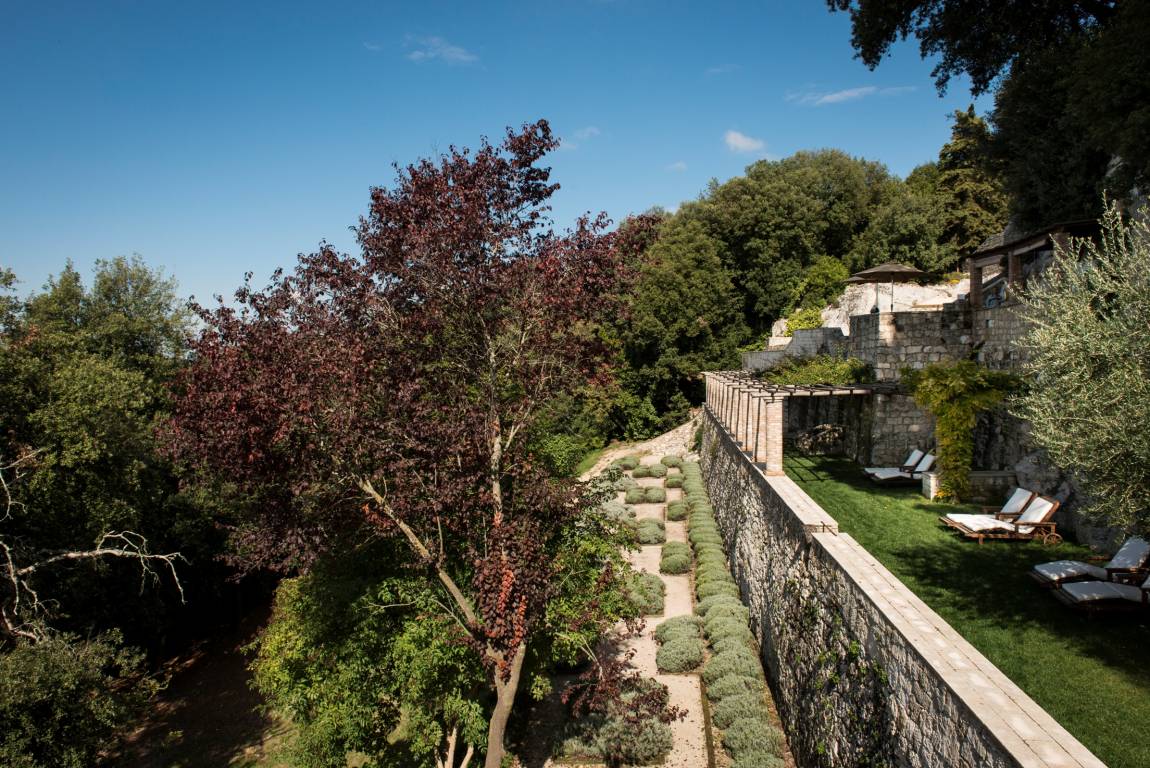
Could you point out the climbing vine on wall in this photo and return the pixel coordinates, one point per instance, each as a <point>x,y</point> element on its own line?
<point>954,393</point>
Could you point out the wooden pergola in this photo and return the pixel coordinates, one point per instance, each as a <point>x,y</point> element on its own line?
<point>752,410</point>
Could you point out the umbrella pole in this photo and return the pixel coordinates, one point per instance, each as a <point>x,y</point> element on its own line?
<point>892,295</point>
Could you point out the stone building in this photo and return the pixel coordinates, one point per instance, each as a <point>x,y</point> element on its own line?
<point>982,325</point>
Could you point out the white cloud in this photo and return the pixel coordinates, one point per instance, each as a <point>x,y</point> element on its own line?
<point>678,166</point>
<point>373,46</point>
<point>722,69</point>
<point>437,48</point>
<point>578,137</point>
<point>741,142</point>
<point>820,99</point>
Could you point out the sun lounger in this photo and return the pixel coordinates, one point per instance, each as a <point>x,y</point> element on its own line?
<point>898,474</point>
<point>907,466</point>
<point>1033,522</point>
<point>1104,596</point>
<point>1130,559</point>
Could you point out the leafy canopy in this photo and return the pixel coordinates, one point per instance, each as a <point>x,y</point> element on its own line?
<point>954,393</point>
<point>1088,369</point>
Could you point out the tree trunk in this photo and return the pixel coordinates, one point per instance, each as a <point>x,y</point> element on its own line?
<point>504,699</point>
<point>497,471</point>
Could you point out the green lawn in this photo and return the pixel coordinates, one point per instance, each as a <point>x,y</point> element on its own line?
<point>1093,676</point>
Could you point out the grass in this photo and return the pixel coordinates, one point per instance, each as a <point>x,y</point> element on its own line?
<point>1090,675</point>
<point>588,461</point>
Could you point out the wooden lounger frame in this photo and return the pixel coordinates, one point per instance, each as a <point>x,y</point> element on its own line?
<point>1043,530</point>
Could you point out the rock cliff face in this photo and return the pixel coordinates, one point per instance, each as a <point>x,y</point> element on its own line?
<point>908,297</point>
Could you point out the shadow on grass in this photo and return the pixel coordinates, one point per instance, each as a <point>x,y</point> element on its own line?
<point>985,592</point>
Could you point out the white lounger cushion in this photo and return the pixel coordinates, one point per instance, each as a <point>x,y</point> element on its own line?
<point>913,459</point>
<point>925,463</point>
<point>1130,555</point>
<point>1017,501</point>
<point>1037,511</point>
<point>983,522</point>
<point>1062,570</point>
<point>887,473</point>
<point>1088,591</point>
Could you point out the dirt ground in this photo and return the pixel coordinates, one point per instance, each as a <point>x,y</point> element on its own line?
<point>209,717</point>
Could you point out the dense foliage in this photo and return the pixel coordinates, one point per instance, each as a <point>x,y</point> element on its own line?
<point>820,369</point>
<point>1088,368</point>
<point>1069,111</point>
<point>64,700</point>
<point>954,393</point>
<point>391,394</point>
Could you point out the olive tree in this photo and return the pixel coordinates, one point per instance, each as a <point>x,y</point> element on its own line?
<point>1088,338</point>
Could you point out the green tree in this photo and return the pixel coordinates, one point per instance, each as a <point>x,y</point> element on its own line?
<point>82,384</point>
<point>1004,35</point>
<point>779,218</point>
<point>1050,169</point>
<point>64,700</point>
<point>684,319</point>
<point>973,204</point>
<point>1088,369</point>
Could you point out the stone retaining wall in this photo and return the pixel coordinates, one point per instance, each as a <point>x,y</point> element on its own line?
<point>863,672</point>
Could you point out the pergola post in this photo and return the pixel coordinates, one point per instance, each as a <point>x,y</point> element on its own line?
<point>975,295</point>
<point>769,451</point>
<point>737,413</point>
<point>1014,271</point>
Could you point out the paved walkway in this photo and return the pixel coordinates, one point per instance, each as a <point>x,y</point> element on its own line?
<point>690,750</point>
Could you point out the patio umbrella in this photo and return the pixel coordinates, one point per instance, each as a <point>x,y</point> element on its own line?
<point>888,273</point>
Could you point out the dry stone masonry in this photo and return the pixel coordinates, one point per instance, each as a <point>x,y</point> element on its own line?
<point>863,672</point>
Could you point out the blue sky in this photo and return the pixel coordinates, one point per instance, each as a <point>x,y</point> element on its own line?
<point>218,138</point>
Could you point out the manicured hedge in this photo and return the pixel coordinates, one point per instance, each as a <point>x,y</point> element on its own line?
<point>673,481</point>
<point>654,496</point>
<point>679,626</point>
<point>680,655</point>
<point>646,592</point>
<point>636,495</point>
<point>671,461</point>
<point>641,471</point>
<point>627,462</point>
<point>676,511</point>
<point>650,531</point>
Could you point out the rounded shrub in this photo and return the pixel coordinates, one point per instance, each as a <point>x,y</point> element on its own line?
<point>732,663</point>
<point>656,470</point>
<point>625,483</point>
<point>686,626</point>
<point>733,708</point>
<point>675,565</point>
<point>680,655</point>
<point>713,571</point>
<point>673,481</point>
<point>723,629</point>
<point>733,642</point>
<point>703,591</point>
<point>641,471</point>
<point>676,511</point>
<point>642,743</point>
<point>627,462</point>
<point>635,495</point>
<point>616,510</point>
<point>752,734</point>
<point>671,461</point>
<point>650,531</point>
<point>734,685</point>
<point>706,604</point>
<point>736,612</point>
<point>646,592</point>
<point>758,758</point>
<point>655,496</point>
